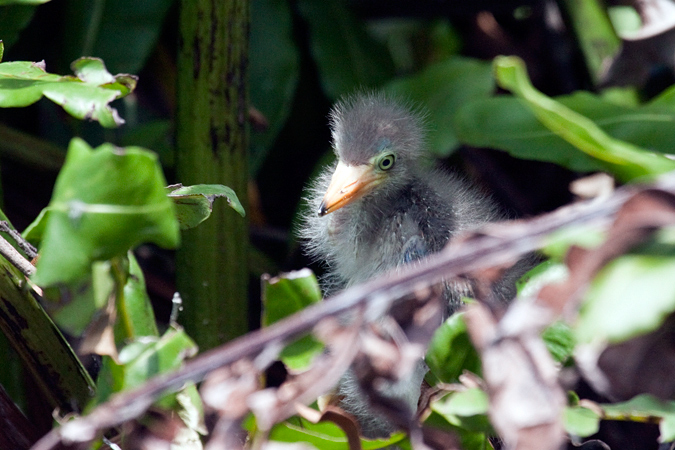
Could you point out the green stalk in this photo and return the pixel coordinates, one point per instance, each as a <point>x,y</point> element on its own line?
<point>212,143</point>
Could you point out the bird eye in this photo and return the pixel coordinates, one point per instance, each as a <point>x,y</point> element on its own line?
<point>386,162</point>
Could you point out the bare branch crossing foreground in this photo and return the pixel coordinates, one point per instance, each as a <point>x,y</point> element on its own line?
<point>237,363</point>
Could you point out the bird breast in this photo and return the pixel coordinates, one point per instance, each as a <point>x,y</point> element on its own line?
<point>370,249</point>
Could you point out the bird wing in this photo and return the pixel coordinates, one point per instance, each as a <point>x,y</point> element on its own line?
<point>414,249</point>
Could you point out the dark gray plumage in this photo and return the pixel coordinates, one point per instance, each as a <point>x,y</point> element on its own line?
<point>380,207</point>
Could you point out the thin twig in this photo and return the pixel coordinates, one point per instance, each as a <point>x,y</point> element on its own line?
<point>28,249</point>
<point>14,257</point>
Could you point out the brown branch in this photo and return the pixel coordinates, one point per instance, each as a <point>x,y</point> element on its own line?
<point>496,244</point>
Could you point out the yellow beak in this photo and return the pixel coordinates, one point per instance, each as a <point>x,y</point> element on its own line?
<point>349,183</point>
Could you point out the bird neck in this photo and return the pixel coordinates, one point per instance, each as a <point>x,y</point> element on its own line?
<point>370,236</point>
<point>414,204</point>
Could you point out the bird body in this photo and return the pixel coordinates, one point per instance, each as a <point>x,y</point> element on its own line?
<point>383,206</point>
<point>413,211</point>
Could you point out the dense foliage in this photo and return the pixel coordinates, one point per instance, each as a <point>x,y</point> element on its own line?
<point>583,354</point>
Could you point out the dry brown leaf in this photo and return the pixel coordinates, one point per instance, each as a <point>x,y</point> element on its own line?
<point>99,337</point>
<point>526,400</point>
<point>227,390</point>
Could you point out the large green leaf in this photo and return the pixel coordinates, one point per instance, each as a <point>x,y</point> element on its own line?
<point>506,123</point>
<point>85,96</point>
<point>285,295</point>
<point>347,57</point>
<point>442,88</point>
<point>105,201</point>
<point>274,71</point>
<point>121,32</point>
<point>609,312</point>
<point>625,160</point>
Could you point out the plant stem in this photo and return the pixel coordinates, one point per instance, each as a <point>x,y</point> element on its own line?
<point>212,142</point>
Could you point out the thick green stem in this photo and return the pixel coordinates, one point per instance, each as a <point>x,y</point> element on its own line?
<point>212,141</point>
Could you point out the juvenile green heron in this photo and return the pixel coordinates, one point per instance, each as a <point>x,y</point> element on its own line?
<point>382,206</point>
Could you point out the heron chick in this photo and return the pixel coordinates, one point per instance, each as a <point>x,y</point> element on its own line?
<point>381,206</point>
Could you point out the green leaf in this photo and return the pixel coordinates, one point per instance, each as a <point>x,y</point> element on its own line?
<point>470,440</point>
<point>195,203</point>
<point>134,309</point>
<point>135,316</point>
<point>274,71</point>
<point>644,407</point>
<point>559,242</point>
<point>285,295</point>
<point>465,409</point>
<point>559,340</point>
<point>625,160</point>
<point>442,88</point>
<point>141,360</point>
<point>105,202</point>
<point>506,123</point>
<point>539,276</point>
<point>324,435</point>
<point>86,96</point>
<point>580,421</point>
<point>625,19</point>
<point>75,315</point>
<point>190,409</point>
<point>451,352</point>
<point>609,311</point>
<point>299,354</point>
<point>347,57</point>
<point>34,232</point>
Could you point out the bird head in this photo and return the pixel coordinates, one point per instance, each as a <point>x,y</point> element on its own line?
<point>377,141</point>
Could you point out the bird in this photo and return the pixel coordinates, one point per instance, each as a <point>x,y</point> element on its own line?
<point>381,206</point>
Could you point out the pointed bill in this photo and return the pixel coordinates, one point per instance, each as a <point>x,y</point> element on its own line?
<point>349,183</point>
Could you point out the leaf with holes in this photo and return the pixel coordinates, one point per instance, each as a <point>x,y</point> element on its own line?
<point>195,203</point>
<point>87,95</point>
